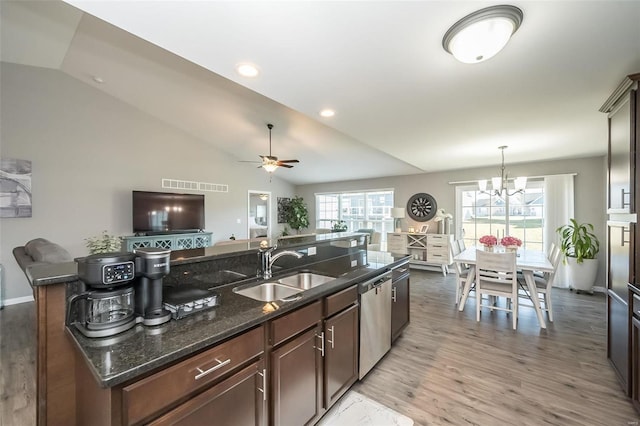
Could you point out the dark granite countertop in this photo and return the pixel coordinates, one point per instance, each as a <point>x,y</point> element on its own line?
<point>118,359</point>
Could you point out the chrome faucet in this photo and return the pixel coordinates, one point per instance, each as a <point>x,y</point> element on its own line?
<point>267,260</point>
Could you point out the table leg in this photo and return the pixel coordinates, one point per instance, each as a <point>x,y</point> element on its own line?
<point>533,292</point>
<point>467,286</point>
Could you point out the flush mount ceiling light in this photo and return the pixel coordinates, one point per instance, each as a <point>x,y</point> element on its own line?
<point>482,34</point>
<point>499,183</point>
<point>247,70</point>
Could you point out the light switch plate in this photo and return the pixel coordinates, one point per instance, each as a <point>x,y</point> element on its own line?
<point>311,251</point>
<point>354,263</point>
<point>354,243</point>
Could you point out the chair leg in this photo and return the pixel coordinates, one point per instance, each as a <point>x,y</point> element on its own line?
<point>547,305</point>
<point>478,301</point>
<point>457,291</point>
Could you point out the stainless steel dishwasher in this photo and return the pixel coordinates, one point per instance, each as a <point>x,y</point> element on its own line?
<point>375,321</point>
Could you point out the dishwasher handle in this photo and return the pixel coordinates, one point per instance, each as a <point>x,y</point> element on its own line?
<point>374,282</point>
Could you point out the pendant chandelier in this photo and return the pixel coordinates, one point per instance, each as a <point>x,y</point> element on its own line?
<point>499,183</point>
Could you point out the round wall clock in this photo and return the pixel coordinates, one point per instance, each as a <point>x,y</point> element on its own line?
<point>422,207</point>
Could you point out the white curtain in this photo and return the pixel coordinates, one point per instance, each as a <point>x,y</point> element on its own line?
<point>559,202</point>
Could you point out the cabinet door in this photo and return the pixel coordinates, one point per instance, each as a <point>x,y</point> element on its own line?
<point>341,354</point>
<point>620,157</point>
<point>296,379</point>
<point>399,307</point>
<point>238,400</point>
<point>619,260</point>
<point>618,339</point>
<point>397,243</point>
<point>635,362</point>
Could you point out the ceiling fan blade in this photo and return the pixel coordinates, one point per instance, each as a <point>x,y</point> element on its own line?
<point>249,161</point>
<point>284,165</point>
<point>288,161</point>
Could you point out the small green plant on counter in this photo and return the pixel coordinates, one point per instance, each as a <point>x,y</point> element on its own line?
<point>104,243</point>
<point>339,226</point>
<point>578,241</point>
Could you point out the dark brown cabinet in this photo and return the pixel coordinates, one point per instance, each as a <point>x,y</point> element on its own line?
<point>623,194</point>
<point>341,354</point>
<point>296,374</point>
<point>240,401</point>
<point>400,301</point>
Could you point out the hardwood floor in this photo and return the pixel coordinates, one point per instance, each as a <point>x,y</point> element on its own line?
<point>445,369</point>
<point>449,369</point>
<point>18,365</point>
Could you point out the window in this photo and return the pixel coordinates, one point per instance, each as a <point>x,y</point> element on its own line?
<point>520,215</point>
<point>366,209</point>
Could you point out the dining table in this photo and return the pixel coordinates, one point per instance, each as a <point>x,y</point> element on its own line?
<point>527,261</point>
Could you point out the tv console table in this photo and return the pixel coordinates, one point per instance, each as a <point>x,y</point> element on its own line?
<point>168,241</point>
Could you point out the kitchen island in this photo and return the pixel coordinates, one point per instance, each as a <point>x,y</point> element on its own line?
<point>114,375</point>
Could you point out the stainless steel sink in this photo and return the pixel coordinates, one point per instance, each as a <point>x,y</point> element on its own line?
<point>268,292</point>
<point>305,280</point>
<point>283,288</point>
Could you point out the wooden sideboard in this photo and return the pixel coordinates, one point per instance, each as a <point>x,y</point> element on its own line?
<point>426,250</point>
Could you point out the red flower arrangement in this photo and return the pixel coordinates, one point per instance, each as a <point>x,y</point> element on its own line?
<point>488,240</point>
<point>510,241</point>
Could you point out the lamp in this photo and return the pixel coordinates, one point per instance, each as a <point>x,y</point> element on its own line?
<point>482,34</point>
<point>397,213</point>
<point>499,183</point>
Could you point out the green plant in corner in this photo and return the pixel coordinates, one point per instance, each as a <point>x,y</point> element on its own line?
<point>297,214</point>
<point>104,243</point>
<point>578,241</point>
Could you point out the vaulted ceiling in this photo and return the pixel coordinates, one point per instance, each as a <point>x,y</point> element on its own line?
<point>403,105</point>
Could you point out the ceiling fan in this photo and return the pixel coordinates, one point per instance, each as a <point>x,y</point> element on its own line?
<point>270,162</point>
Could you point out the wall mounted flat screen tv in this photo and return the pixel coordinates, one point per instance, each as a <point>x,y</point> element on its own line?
<point>165,212</point>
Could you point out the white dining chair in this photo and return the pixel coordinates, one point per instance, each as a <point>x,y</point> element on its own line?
<point>544,283</point>
<point>462,272</point>
<point>496,277</point>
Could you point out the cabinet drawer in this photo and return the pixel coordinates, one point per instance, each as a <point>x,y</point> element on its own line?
<point>438,249</point>
<point>148,396</point>
<point>437,258</point>
<point>337,302</point>
<point>297,321</point>
<point>438,238</point>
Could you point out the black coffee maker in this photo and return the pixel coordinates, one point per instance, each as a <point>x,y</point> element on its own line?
<point>105,304</point>
<point>152,265</point>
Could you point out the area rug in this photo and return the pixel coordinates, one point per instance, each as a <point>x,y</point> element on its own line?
<point>356,409</point>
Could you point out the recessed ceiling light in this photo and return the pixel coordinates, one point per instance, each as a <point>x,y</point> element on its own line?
<point>98,79</point>
<point>247,70</point>
<point>327,113</point>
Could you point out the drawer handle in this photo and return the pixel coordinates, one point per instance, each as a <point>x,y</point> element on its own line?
<point>332,339</point>
<point>212,369</point>
<point>402,271</point>
<point>321,348</point>
<point>624,231</point>
<point>264,384</point>
<point>393,293</point>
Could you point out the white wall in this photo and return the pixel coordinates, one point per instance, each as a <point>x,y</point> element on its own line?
<point>89,151</point>
<point>590,190</point>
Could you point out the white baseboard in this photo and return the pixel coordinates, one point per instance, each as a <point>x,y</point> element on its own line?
<point>597,289</point>
<point>17,300</point>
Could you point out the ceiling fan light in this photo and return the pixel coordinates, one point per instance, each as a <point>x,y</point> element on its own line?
<point>482,34</point>
<point>270,167</point>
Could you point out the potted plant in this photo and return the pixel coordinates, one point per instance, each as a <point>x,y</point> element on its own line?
<point>297,214</point>
<point>580,247</point>
<point>339,226</point>
<point>104,243</point>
